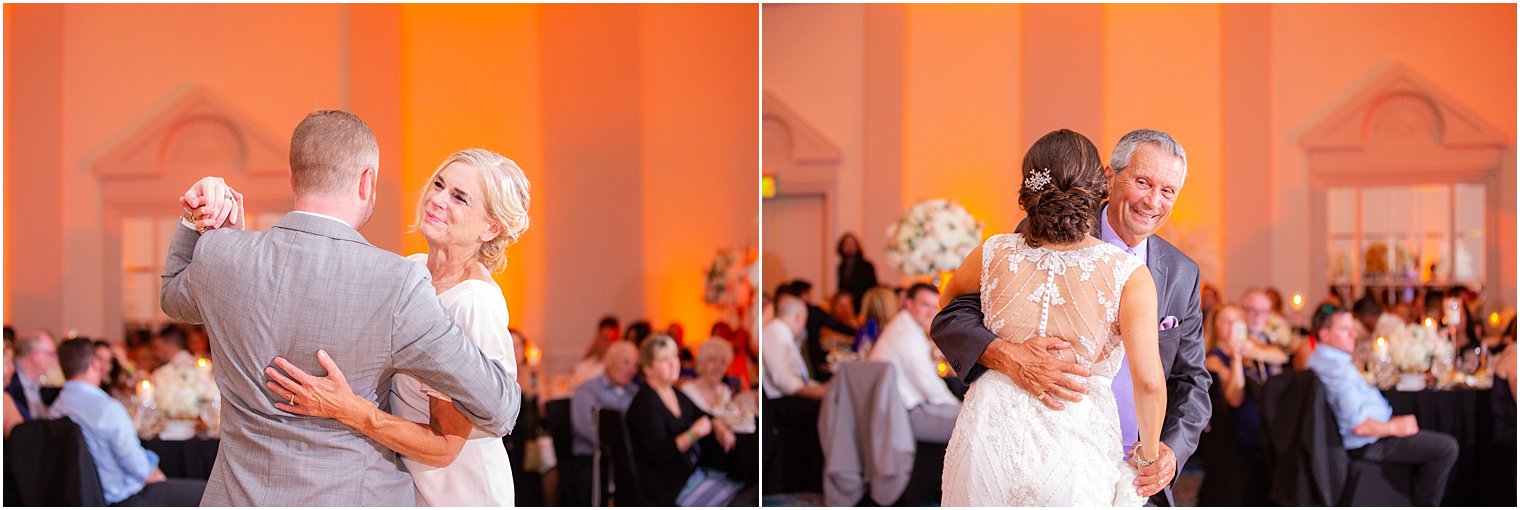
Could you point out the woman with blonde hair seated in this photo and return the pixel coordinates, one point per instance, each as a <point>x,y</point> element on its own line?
<point>666,428</point>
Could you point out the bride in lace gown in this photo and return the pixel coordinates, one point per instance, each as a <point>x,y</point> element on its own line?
<point>1055,279</point>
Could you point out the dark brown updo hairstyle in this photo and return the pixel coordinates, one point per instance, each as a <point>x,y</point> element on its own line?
<point>1062,210</point>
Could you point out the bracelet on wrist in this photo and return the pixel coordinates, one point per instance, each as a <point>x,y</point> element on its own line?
<point>1134,453</point>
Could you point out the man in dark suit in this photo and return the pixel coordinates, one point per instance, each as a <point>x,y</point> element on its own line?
<point>36,355</point>
<point>1147,171</point>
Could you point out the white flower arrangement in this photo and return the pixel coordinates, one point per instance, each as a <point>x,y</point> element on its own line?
<point>181,391</point>
<point>1412,347</point>
<point>933,236</point>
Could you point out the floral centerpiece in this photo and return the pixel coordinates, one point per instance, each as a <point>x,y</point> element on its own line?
<point>1414,346</point>
<point>182,389</point>
<point>933,236</point>
<point>728,284</point>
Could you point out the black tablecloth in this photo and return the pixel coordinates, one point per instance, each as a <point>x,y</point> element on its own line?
<point>744,459</point>
<point>1484,474</point>
<point>191,458</point>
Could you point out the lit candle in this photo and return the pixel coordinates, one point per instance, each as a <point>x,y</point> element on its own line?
<point>203,364</point>
<point>943,368</point>
<point>145,391</point>
<point>1298,302</point>
<point>1430,323</point>
<point>1381,349</point>
<point>533,355</point>
<point>1493,319</point>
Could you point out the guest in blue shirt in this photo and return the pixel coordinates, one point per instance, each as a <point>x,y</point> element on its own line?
<point>613,390</point>
<point>129,473</point>
<point>1367,425</point>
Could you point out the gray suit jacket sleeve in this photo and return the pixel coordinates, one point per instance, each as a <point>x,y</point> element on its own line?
<point>429,346</point>
<point>961,335</point>
<point>175,297</point>
<point>1188,407</point>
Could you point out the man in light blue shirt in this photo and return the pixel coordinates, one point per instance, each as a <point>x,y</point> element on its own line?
<point>1367,425</point>
<point>129,474</point>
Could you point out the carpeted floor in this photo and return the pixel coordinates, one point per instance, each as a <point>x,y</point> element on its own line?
<point>1185,490</point>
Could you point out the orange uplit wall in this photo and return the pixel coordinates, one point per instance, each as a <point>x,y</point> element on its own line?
<point>699,122</point>
<point>635,125</point>
<point>1236,84</point>
<point>961,87</point>
<point>469,79</point>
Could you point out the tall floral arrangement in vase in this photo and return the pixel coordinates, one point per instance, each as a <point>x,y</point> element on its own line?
<point>932,237</point>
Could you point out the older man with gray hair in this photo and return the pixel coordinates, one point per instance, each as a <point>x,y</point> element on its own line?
<point>1145,177</point>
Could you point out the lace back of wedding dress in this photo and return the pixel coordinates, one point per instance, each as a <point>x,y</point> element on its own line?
<point>1071,294</point>
<point>1008,449</point>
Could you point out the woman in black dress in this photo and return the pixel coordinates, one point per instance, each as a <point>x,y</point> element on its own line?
<point>666,428</point>
<point>856,274</point>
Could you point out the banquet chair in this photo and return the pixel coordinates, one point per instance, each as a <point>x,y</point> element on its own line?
<point>1305,455</point>
<point>1232,472</point>
<point>616,478</point>
<point>51,466</point>
<point>557,422</point>
<point>867,439</point>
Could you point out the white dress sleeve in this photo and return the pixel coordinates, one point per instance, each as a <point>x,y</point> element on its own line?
<point>481,312</point>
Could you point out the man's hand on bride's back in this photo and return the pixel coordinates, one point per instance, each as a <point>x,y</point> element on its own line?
<point>1040,366</point>
<point>213,204</point>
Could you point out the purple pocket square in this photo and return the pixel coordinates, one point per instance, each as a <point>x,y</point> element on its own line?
<point>1169,322</point>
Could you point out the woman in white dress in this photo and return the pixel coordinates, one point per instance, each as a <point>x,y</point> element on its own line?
<point>1053,278</point>
<point>472,208</point>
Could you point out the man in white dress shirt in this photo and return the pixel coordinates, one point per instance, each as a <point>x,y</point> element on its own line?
<point>904,344</point>
<point>786,373</point>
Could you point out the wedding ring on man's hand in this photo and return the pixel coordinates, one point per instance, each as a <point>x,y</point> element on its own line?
<point>1044,395</point>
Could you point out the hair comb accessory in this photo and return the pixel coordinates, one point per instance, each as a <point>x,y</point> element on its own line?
<point>1037,179</point>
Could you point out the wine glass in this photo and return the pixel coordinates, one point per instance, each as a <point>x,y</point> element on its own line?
<point>1440,366</point>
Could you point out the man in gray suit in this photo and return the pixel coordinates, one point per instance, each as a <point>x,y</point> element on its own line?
<point>1147,171</point>
<point>312,282</point>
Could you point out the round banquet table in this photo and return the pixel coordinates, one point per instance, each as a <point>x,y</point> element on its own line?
<point>191,458</point>
<point>1484,474</point>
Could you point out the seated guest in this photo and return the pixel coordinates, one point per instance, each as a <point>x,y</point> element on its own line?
<point>170,345</point>
<point>792,454</point>
<point>1224,336</point>
<point>708,389</point>
<point>786,374</point>
<point>36,356</point>
<point>1373,321</point>
<point>666,427</point>
<point>1266,332</point>
<point>590,366</point>
<point>817,321</point>
<point>1208,298</point>
<point>842,308</point>
<point>129,474</point>
<point>12,413</point>
<point>877,308</point>
<point>1240,477</point>
<point>932,408</point>
<point>612,390</point>
<point>1367,425</point>
<point>742,360</point>
<point>636,332</point>
<point>116,381</point>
